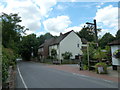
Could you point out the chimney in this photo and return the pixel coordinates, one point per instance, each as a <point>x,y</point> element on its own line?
<point>60,34</point>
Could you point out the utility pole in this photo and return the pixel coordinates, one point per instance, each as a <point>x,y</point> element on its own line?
<point>92,25</point>
<point>95,30</point>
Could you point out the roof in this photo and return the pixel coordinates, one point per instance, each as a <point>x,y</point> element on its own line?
<point>60,38</point>
<point>115,42</point>
<point>54,41</point>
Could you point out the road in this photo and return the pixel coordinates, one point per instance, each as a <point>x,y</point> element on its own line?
<point>36,75</point>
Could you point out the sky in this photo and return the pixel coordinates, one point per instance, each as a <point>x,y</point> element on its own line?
<point>55,16</point>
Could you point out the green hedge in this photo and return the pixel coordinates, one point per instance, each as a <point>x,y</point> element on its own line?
<point>8,59</point>
<point>104,65</point>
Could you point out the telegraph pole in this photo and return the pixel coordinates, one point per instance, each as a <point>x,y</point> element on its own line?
<point>95,30</point>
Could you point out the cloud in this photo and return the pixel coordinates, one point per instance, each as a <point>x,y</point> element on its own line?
<point>108,16</point>
<point>75,28</point>
<point>60,7</point>
<point>100,4</point>
<point>30,11</point>
<point>57,25</point>
<point>45,6</point>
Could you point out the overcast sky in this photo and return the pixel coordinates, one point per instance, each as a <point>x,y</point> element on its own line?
<point>42,16</point>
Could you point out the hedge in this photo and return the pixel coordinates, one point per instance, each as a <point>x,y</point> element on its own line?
<point>8,59</point>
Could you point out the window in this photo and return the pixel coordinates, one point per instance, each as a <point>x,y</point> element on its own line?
<point>77,45</point>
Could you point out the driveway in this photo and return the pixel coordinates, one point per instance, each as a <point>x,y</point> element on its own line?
<point>36,75</point>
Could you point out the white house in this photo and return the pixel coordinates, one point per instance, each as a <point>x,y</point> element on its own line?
<point>68,42</point>
<point>115,45</point>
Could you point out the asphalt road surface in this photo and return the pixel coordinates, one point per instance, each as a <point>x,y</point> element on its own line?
<point>36,75</point>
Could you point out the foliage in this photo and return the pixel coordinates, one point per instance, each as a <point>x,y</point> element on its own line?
<point>8,59</point>
<point>44,37</point>
<point>87,34</point>
<point>84,58</point>
<point>85,67</point>
<point>99,54</point>
<point>108,53</point>
<point>107,38</point>
<point>11,30</point>
<point>11,34</point>
<point>101,64</point>
<point>54,53</point>
<point>91,51</point>
<point>66,55</point>
<point>117,54</point>
<point>28,45</point>
<point>118,34</point>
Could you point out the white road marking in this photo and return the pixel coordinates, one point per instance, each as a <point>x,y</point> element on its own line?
<point>80,75</point>
<point>107,81</point>
<point>22,78</point>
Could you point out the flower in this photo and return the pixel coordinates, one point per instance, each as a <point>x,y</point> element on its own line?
<point>116,54</point>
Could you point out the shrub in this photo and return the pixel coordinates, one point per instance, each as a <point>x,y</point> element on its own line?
<point>53,53</point>
<point>85,67</point>
<point>67,55</point>
<point>101,64</point>
<point>8,59</point>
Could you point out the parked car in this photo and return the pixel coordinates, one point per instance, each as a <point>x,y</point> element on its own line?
<point>19,59</point>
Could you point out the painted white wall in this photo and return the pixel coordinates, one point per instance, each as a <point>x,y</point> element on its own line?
<point>69,43</point>
<point>115,61</point>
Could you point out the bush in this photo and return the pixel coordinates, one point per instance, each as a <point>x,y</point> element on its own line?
<point>104,65</point>
<point>66,55</point>
<point>85,67</point>
<point>8,59</point>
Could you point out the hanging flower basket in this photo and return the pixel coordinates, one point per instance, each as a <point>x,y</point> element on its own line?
<point>116,54</point>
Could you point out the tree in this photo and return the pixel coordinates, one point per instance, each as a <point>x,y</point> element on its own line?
<point>11,30</point>
<point>118,34</point>
<point>42,38</point>
<point>28,45</point>
<point>99,54</point>
<point>67,55</point>
<point>107,38</point>
<point>87,33</point>
<point>108,53</point>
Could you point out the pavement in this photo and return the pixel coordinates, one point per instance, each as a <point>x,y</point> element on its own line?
<point>74,68</point>
<point>37,75</point>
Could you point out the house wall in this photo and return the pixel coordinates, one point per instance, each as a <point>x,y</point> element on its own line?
<point>69,43</point>
<point>115,61</point>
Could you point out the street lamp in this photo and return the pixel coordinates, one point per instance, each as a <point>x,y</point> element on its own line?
<point>95,29</point>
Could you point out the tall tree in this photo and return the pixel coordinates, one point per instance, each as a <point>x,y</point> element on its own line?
<point>11,30</point>
<point>107,38</point>
<point>86,33</point>
<point>28,45</point>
